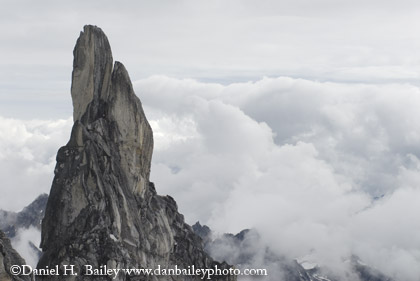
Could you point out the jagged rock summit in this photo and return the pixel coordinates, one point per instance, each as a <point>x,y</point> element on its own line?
<point>102,209</point>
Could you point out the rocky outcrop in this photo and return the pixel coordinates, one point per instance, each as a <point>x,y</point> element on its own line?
<point>102,209</point>
<point>247,250</point>
<point>8,258</point>
<point>17,226</point>
<point>203,231</point>
<point>30,216</point>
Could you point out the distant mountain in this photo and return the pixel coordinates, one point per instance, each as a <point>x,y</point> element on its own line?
<point>30,216</point>
<point>247,250</point>
<point>23,228</point>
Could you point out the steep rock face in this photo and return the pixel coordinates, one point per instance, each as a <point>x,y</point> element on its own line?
<point>9,257</point>
<point>102,209</point>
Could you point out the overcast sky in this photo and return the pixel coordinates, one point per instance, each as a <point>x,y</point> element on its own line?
<point>299,118</point>
<point>220,41</point>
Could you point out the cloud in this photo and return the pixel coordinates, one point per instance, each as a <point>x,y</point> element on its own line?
<point>318,168</point>
<point>27,158</point>
<point>24,243</point>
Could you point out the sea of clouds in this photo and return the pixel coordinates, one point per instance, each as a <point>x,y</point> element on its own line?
<point>326,169</point>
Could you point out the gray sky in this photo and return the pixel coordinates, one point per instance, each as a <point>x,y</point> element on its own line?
<point>221,41</point>
<point>262,112</point>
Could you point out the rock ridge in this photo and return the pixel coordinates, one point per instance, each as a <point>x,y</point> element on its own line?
<point>30,216</point>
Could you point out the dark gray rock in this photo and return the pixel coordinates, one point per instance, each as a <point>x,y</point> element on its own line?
<point>30,216</point>
<point>102,209</point>
<point>203,231</point>
<point>8,222</point>
<point>33,214</point>
<point>9,257</point>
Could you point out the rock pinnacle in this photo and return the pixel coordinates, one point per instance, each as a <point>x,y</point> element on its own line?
<point>102,209</point>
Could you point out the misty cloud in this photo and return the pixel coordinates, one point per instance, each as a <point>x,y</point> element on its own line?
<point>26,244</point>
<point>27,158</point>
<point>319,168</point>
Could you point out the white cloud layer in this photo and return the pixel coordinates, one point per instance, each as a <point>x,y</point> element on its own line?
<point>27,158</point>
<point>326,169</point>
<point>330,169</point>
<point>26,243</point>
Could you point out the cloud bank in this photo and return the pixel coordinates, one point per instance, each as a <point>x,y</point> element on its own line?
<point>27,158</point>
<point>318,168</point>
<point>326,169</point>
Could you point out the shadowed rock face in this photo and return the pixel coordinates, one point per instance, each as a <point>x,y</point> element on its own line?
<point>9,257</point>
<point>102,209</point>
